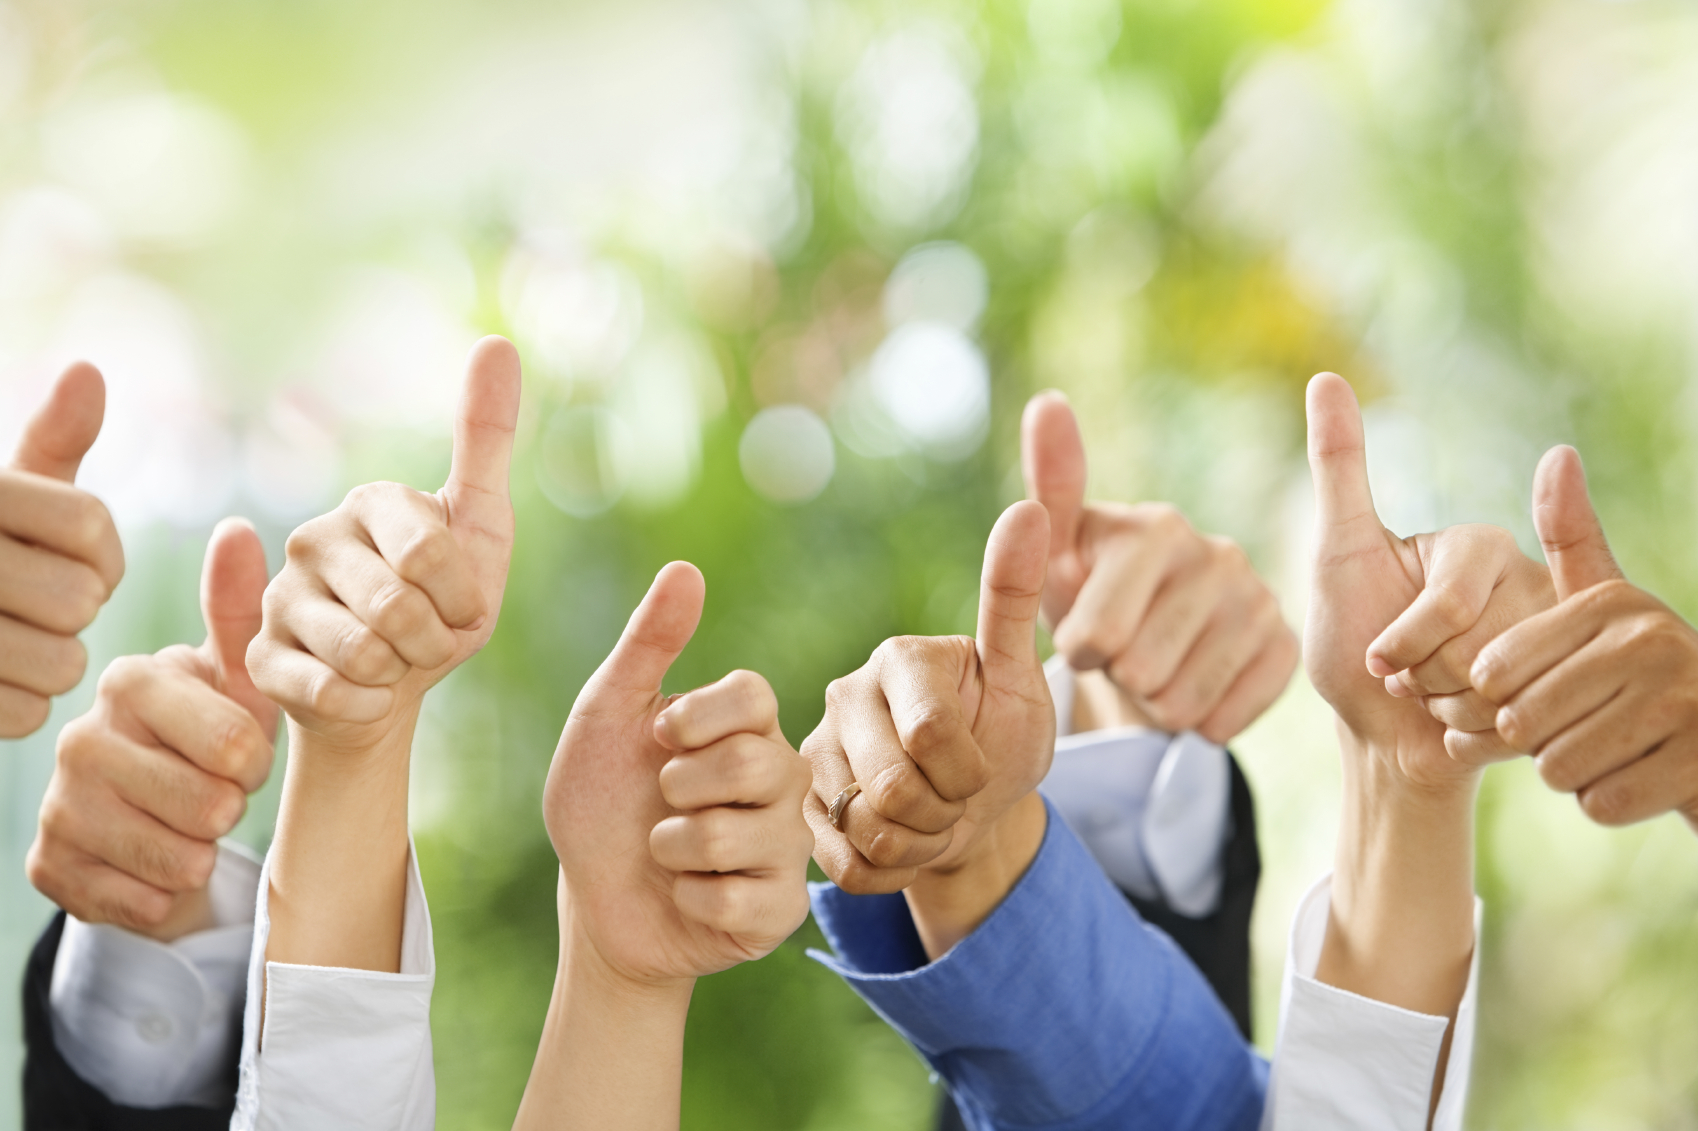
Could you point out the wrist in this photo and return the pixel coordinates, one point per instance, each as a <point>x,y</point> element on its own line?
<point>949,903</point>
<point>1401,927</point>
<point>593,982</point>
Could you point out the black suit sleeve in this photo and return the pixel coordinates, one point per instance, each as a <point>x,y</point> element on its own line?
<point>57,1099</point>
<point>1219,943</point>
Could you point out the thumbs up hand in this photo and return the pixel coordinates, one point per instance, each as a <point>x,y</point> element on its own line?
<point>944,736</point>
<point>678,823</point>
<point>384,596</point>
<point>1179,622</point>
<point>147,781</point>
<point>1368,582</point>
<point>1603,688</point>
<point>60,557</point>
<point>677,820</point>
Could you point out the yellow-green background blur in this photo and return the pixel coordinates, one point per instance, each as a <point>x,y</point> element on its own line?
<point>278,226</point>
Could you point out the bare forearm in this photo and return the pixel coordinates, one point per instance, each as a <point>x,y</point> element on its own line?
<point>339,863</point>
<point>947,906</point>
<point>1402,924</point>
<point>612,1051</point>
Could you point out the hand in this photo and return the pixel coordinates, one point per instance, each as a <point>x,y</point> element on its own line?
<point>1400,927</point>
<point>677,820</point>
<point>60,557</point>
<point>944,734</point>
<point>1476,584</point>
<point>384,596</point>
<point>1367,583</point>
<point>161,766</point>
<point>1178,620</point>
<point>1603,688</point>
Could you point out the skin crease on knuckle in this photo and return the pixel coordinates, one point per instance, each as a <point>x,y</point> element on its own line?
<point>899,793</point>
<point>365,656</point>
<point>426,554</point>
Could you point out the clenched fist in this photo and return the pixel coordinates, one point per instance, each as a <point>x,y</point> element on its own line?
<point>148,780</point>
<point>1188,634</point>
<point>60,557</point>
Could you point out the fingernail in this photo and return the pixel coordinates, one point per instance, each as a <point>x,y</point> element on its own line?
<point>1379,667</point>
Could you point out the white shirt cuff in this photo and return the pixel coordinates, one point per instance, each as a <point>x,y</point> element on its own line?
<point>1154,809</point>
<point>1346,1061</point>
<point>340,1048</point>
<point>154,1024</point>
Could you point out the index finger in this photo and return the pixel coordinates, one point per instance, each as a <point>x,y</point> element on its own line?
<point>741,702</point>
<point>63,518</point>
<point>209,729</point>
<point>922,685</point>
<point>1464,570</point>
<point>1505,667</point>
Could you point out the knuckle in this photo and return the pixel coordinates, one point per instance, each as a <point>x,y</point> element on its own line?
<point>236,749</point>
<point>930,729</point>
<point>716,842</point>
<point>125,676</point>
<point>427,553</point>
<point>326,695</point>
<point>1162,517</point>
<point>889,847</point>
<point>303,541</point>
<point>1558,773</point>
<point>1449,608</point>
<point>396,610</point>
<point>1514,728</point>
<point>1607,806</point>
<point>365,655</point>
<point>218,809</point>
<point>752,690</point>
<point>137,915</point>
<point>896,792</point>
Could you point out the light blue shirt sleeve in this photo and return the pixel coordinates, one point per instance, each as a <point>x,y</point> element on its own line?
<point>1063,1011</point>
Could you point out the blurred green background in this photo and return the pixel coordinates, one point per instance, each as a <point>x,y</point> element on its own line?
<point>783,273</point>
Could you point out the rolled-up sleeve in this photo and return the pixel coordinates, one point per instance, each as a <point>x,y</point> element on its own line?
<point>1348,1062</point>
<point>340,1047</point>
<point>1063,1011</point>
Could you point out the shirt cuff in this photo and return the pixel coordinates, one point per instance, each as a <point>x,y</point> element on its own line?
<point>154,1024</point>
<point>340,1047</point>
<point>1344,1060</point>
<point>1061,1010</point>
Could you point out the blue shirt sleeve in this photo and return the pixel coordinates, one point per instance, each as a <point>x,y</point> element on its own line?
<point>1063,1011</point>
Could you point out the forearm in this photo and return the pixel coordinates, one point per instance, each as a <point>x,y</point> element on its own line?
<point>338,865</point>
<point>1401,928</point>
<point>948,905</point>
<point>612,1051</point>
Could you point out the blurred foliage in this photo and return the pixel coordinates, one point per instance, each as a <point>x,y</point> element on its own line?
<point>1183,208</point>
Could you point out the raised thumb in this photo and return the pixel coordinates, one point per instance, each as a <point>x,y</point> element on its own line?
<point>232,590</point>
<point>1052,457</point>
<point>65,426</point>
<point>1016,558</point>
<point>656,633</point>
<point>485,420</point>
<point>1338,461</point>
<point>1573,539</point>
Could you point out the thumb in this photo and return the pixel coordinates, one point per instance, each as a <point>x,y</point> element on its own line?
<point>1575,547</point>
<point>485,420</point>
<point>656,633</point>
<point>1016,558</point>
<point>1052,456</point>
<point>232,587</point>
<point>1338,460</point>
<point>63,429</point>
